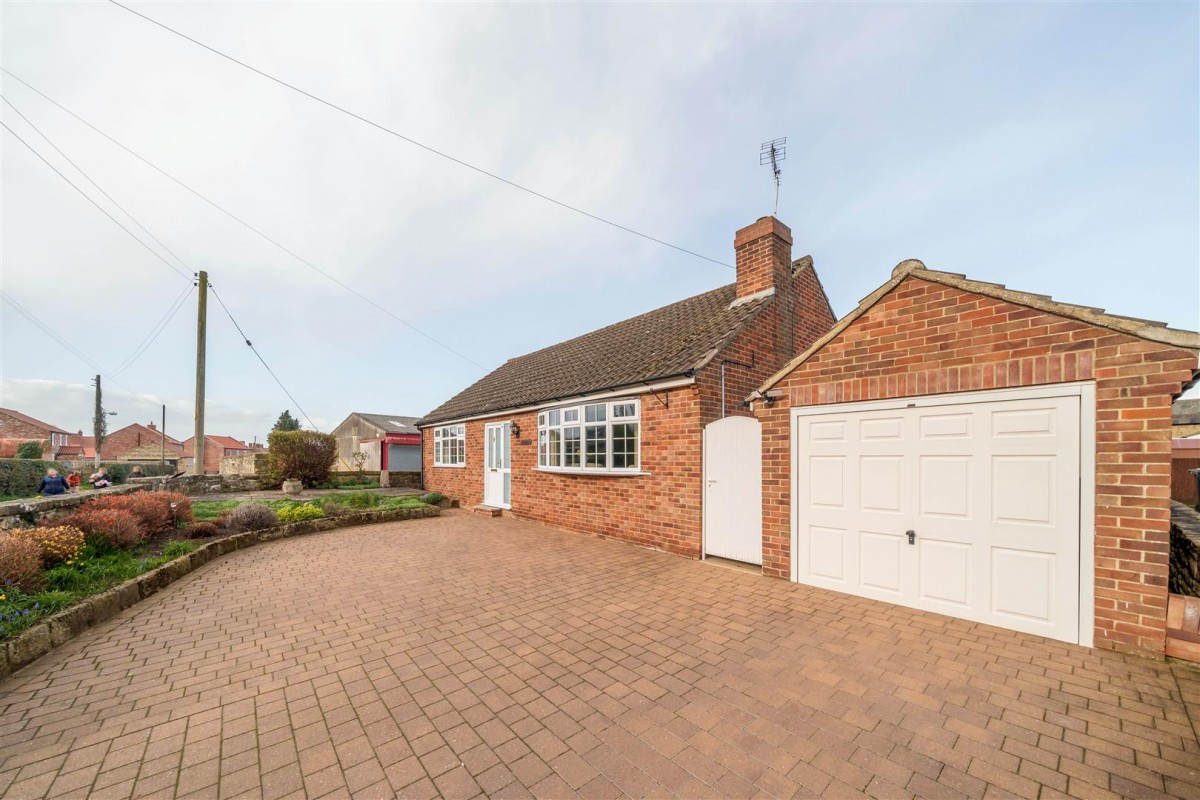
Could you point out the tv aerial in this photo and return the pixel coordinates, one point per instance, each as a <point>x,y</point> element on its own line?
<point>772,153</point>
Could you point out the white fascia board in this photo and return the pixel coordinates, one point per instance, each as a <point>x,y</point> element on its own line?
<point>639,389</point>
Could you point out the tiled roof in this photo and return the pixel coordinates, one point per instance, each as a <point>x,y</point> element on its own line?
<point>31,421</point>
<point>391,423</point>
<point>225,442</point>
<point>667,342</point>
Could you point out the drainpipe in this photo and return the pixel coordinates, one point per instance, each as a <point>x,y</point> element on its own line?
<point>725,361</point>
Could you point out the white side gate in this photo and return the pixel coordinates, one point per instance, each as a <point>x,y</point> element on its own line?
<point>733,489</point>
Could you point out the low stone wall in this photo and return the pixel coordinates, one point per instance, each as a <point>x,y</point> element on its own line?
<point>403,480</point>
<point>15,513</point>
<point>244,464</point>
<point>53,631</point>
<point>1185,550</point>
<point>202,484</point>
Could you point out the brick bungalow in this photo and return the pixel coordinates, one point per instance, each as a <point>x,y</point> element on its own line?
<point>124,440</point>
<point>23,428</point>
<point>603,433</point>
<point>215,448</point>
<point>989,454</point>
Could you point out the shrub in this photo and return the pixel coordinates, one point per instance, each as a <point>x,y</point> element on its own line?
<point>200,530</point>
<point>178,548</point>
<point>250,517</point>
<point>20,563</point>
<point>359,500</point>
<point>153,509</point>
<point>20,476</point>
<point>57,544</point>
<point>300,513</point>
<point>307,456</point>
<point>115,527</point>
<point>29,450</point>
<point>332,508</point>
<point>433,498</point>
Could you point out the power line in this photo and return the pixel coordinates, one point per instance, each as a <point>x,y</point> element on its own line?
<point>155,332</point>
<point>79,169</point>
<point>423,146</point>
<point>46,329</point>
<point>245,224</point>
<point>116,221</point>
<point>259,356</point>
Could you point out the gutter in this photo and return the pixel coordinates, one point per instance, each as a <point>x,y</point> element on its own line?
<point>675,379</point>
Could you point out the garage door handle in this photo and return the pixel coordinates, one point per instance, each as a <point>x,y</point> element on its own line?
<point>912,537</point>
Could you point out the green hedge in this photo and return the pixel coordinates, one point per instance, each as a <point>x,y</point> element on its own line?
<point>119,471</point>
<point>21,476</point>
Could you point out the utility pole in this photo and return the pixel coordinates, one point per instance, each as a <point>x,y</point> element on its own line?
<point>98,423</point>
<point>201,323</point>
<point>162,459</point>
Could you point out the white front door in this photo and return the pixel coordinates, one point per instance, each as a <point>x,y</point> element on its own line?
<point>733,489</point>
<point>969,509</point>
<point>497,465</point>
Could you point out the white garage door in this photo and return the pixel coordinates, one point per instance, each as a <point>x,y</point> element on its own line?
<point>963,508</point>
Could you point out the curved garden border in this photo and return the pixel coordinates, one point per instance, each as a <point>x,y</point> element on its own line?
<point>56,630</point>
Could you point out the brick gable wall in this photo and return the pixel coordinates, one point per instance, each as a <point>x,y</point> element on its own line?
<point>926,338</point>
<point>21,431</point>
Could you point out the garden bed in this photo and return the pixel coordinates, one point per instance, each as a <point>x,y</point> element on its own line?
<point>143,574</point>
<point>100,559</point>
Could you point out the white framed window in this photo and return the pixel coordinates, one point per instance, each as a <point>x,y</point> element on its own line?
<point>591,437</point>
<point>450,446</point>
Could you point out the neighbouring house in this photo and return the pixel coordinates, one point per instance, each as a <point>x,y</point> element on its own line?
<point>215,448</point>
<point>391,442</point>
<point>119,443</point>
<point>24,428</point>
<point>968,449</point>
<point>605,433</point>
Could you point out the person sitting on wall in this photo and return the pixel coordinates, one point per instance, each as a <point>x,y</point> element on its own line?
<point>73,480</point>
<point>136,472</point>
<point>53,483</point>
<point>99,479</point>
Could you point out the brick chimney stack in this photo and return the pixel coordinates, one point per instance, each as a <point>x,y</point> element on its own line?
<point>764,257</point>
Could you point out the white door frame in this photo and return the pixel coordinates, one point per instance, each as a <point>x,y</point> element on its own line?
<point>1084,390</point>
<point>486,443</point>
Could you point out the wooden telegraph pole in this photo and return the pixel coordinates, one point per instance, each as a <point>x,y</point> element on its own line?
<point>201,323</point>
<point>98,426</point>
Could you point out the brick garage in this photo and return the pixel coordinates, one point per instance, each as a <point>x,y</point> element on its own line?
<point>670,361</point>
<point>927,333</point>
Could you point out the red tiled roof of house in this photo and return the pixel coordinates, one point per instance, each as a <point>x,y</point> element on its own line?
<point>31,421</point>
<point>225,442</point>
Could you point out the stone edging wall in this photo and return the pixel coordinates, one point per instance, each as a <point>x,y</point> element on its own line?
<point>59,629</point>
<point>11,511</point>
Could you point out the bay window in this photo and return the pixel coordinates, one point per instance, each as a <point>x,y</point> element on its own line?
<point>591,437</point>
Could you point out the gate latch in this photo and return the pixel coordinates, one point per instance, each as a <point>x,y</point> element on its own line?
<point>912,537</point>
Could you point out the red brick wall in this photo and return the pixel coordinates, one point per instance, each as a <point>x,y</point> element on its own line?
<point>659,510</point>
<point>798,315</point>
<point>13,428</point>
<point>926,338</point>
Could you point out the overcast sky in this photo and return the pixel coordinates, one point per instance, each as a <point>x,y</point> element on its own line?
<point>1051,147</point>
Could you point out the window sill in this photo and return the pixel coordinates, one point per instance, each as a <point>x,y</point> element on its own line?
<point>449,466</point>
<point>610,473</point>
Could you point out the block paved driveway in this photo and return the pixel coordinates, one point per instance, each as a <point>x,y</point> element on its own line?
<point>463,656</point>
